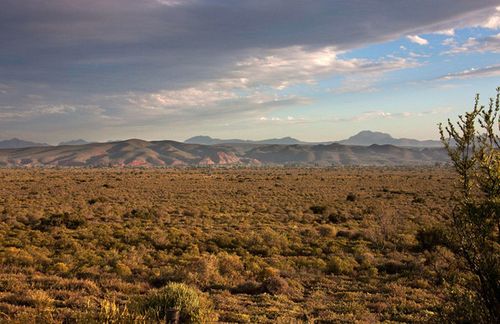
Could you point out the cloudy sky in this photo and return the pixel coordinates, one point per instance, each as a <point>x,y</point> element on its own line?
<point>254,69</point>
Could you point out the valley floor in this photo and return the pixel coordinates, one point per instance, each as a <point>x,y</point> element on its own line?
<point>264,245</point>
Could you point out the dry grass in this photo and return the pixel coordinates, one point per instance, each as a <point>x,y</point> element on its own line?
<point>264,245</point>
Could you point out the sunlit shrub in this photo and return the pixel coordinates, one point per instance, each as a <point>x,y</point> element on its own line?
<point>341,265</point>
<point>192,305</point>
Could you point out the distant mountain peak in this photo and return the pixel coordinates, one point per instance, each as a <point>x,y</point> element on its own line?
<point>75,142</point>
<point>372,134</point>
<point>15,143</point>
<point>207,140</point>
<point>367,138</point>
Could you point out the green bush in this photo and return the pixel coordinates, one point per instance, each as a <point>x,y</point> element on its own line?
<point>341,265</point>
<point>192,305</point>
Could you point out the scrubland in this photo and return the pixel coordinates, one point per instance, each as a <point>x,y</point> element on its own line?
<point>257,245</point>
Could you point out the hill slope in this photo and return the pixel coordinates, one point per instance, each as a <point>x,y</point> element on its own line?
<point>136,152</point>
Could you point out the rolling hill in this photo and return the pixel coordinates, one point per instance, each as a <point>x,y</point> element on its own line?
<point>139,153</point>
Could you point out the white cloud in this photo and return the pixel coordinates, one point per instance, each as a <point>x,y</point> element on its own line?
<point>287,120</point>
<point>175,3</point>
<point>493,21</point>
<point>446,32</point>
<point>4,88</point>
<point>295,65</point>
<point>487,72</point>
<point>449,42</point>
<point>482,45</point>
<point>381,114</point>
<point>15,113</point>
<point>258,80</point>
<point>417,40</point>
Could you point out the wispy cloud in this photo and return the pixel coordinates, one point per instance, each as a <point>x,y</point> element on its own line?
<point>486,72</point>
<point>446,32</point>
<point>489,44</point>
<point>14,113</point>
<point>259,80</point>
<point>382,114</point>
<point>283,120</point>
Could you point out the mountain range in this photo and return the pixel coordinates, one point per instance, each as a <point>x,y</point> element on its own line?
<point>139,153</point>
<point>19,143</point>
<point>207,140</point>
<point>363,138</point>
<point>74,142</point>
<point>366,138</point>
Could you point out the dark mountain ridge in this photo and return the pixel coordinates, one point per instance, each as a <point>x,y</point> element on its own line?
<point>19,143</point>
<point>363,138</point>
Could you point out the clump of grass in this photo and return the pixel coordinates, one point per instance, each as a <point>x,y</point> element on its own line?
<point>109,312</point>
<point>192,305</point>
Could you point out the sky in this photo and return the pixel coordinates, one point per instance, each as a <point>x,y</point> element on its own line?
<point>315,70</point>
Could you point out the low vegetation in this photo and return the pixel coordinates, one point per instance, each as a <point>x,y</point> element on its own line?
<point>240,245</point>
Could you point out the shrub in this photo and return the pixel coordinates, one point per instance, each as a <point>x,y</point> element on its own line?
<point>122,270</point>
<point>109,312</point>
<point>341,265</point>
<point>475,223</point>
<point>430,238</point>
<point>351,197</point>
<point>192,305</point>
<point>393,267</point>
<point>327,230</point>
<point>418,200</point>
<point>68,220</point>
<point>317,209</point>
<point>337,218</point>
<point>249,287</point>
<point>276,285</point>
<point>203,271</point>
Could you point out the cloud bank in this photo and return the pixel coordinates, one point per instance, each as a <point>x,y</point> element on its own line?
<point>123,62</point>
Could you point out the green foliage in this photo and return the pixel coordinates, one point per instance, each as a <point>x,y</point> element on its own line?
<point>191,304</point>
<point>473,145</point>
<point>341,265</point>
